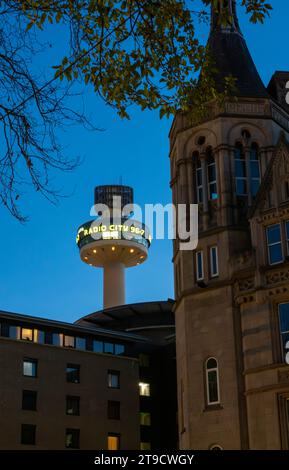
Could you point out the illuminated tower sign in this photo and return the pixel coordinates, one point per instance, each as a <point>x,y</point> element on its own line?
<point>113,241</point>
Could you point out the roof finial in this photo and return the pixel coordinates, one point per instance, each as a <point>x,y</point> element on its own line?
<point>224,16</point>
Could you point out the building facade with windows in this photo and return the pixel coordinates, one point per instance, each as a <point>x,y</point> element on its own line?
<point>106,382</point>
<point>232,292</point>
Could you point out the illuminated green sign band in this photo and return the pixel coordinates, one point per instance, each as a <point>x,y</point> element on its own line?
<point>91,232</point>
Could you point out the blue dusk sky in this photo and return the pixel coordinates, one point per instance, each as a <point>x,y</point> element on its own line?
<point>40,270</point>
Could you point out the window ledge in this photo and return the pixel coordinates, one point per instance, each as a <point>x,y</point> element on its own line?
<point>213,408</point>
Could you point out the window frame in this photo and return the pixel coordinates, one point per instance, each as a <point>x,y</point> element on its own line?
<point>77,433</point>
<point>69,365</point>
<point>116,435</point>
<point>211,163</point>
<point>74,399</point>
<point>214,248</point>
<point>198,277</point>
<point>33,429</point>
<point>116,373</point>
<point>33,394</point>
<point>274,244</point>
<point>32,361</point>
<point>210,403</point>
<point>113,410</point>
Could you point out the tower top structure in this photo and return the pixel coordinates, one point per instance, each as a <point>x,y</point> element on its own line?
<point>230,52</point>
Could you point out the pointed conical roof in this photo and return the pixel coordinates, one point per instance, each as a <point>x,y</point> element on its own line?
<point>231,55</point>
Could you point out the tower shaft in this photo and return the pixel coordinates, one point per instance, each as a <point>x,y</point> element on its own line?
<point>113,284</point>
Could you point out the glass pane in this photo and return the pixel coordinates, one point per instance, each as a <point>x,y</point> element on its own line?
<point>200,273</point>
<point>255,170</point>
<point>119,349</point>
<point>285,344</point>
<point>213,387</point>
<point>284,317</point>
<point>80,343</point>
<point>29,368</point>
<point>199,177</point>
<point>274,234</point>
<point>39,336</point>
<point>275,254</point>
<point>27,334</point>
<point>213,191</point>
<point>287,230</point>
<point>200,195</point>
<point>212,364</point>
<point>214,264</point>
<point>145,419</point>
<point>255,184</point>
<point>113,380</point>
<point>212,172</point>
<point>145,446</point>
<point>113,442</point>
<point>108,348</point>
<point>144,389</point>
<point>14,332</point>
<point>240,169</point>
<point>241,187</point>
<point>98,346</point>
<point>56,339</point>
<point>69,341</point>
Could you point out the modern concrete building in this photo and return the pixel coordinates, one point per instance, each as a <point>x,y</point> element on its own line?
<point>106,382</point>
<point>232,292</point>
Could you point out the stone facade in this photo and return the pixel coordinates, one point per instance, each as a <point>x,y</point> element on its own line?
<point>231,315</point>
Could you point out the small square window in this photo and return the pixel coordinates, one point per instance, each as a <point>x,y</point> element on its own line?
<point>144,389</point>
<point>72,438</point>
<point>26,334</point>
<point>72,405</point>
<point>145,419</point>
<point>73,373</point>
<point>29,400</point>
<point>30,367</point>
<point>113,377</point>
<point>113,409</point>
<point>119,349</point>
<point>28,434</point>
<point>113,442</point>
<point>80,343</point>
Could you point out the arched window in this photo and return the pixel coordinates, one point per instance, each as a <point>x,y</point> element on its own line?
<point>240,170</point>
<point>254,169</point>
<point>199,177</point>
<point>215,447</point>
<point>212,381</point>
<point>212,175</point>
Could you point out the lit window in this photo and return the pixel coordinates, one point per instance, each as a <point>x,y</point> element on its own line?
<point>145,419</point>
<point>113,442</point>
<point>80,343</point>
<point>275,252</point>
<point>144,389</point>
<point>113,409</point>
<point>29,400</point>
<point>28,434</point>
<point>113,377</point>
<point>30,367</point>
<point>72,438</point>
<point>284,329</point>
<point>212,175</point>
<point>200,265</point>
<point>199,178</point>
<point>240,171</point>
<point>69,341</point>
<point>73,373</point>
<point>119,349</point>
<point>145,446</point>
<point>72,405</point>
<point>214,263</point>
<point>27,334</point>
<point>98,346</point>
<point>39,336</point>
<point>254,169</point>
<point>212,382</point>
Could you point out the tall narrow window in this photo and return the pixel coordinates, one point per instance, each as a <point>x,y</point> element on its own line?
<point>212,382</point>
<point>274,243</point>
<point>29,400</point>
<point>240,170</point>
<point>212,176</point>
<point>113,409</point>
<point>214,262</point>
<point>200,265</point>
<point>28,434</point>
<point>287,235</point>
<point>113,377</point>
<point>284,329</point>
<point>72,438</point>
<point>72,405</point>
<point>73,373</point>
<point>254,169</point>
<point>113,441</point>
<point>199,179</point>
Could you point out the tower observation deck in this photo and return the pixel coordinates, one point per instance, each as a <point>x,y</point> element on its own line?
<point>113,240</point>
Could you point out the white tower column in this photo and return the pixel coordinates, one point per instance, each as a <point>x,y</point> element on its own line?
<point>113,284</point>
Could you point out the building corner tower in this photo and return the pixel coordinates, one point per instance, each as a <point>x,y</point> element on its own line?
<point>232,292</point>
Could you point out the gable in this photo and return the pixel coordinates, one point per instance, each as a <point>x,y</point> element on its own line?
<point>273,188</point>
